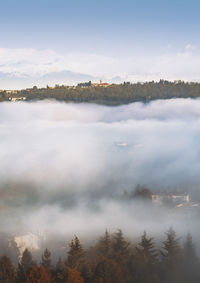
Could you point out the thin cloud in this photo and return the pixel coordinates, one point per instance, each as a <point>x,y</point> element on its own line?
<point>32,63</point>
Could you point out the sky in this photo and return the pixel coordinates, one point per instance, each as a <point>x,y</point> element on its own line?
<point>114,40</point>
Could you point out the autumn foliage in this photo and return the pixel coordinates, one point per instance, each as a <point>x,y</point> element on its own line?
<point>113,259</point>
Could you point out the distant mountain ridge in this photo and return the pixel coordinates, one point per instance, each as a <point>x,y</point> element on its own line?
<point>16,81</point>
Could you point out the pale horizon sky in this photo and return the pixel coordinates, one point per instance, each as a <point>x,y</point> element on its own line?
<point>128,40</point>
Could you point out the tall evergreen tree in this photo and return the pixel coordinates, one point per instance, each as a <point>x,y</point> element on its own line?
<point>121,252</point>
<point>171,257</point>
<point>189,249</point>
<point>146,261</point>
<point>104,244</point>
<point>46,260</point>
<point>75,254</point>
<point>27,260</point>
<point>171,247</point>
<point>24,265</point>
<point>146,251</point>
<point>119,244</point>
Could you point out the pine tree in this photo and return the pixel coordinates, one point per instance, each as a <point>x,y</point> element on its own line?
<point>75,254</point>
<point>171,248</point>
<point>26,260</point>
<point>7,270</point>
<point>104,244</point>
<point>189,249</point>
<point>46,259</point>
<point>146,260</point>
<point>24,265</point>
<point>171,257</point>
<point>146,251</point>
<point>120,245</point>
<point>121,252</point>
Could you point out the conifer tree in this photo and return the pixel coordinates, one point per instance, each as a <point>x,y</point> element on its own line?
<point>121,252</point>
<point>189,249</point>
<point>26,260</point>
<point>24,265</point>
<point>104,244</point>
<point>75,254</point>
<point>146,251</point>
<point>120,245</point>
<point>146,260</point>
<point>171,257</point>
<point>46,259</point>
<point>171,248</point>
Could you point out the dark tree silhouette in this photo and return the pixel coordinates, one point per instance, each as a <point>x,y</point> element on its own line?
<point>171,257</point>
<point>146,261</point>
<point>75,254</point>
<point>46,259</point>
<point>104,245</point>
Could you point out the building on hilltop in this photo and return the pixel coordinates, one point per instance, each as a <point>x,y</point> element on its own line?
<point>11,91</point>
<point>173,198</point>
<point>101,84</point>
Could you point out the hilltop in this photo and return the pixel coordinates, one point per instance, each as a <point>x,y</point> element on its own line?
<point>107,94</point>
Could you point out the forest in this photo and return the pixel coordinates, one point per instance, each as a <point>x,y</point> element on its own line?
<point>113,258</point>
<point>115,94</point>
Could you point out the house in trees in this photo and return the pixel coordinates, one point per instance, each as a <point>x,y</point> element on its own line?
<point>171,198</point>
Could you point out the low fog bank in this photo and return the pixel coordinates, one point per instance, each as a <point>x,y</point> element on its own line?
<point>65,167</point>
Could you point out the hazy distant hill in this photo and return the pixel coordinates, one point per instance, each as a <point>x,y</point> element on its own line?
<point>12,81</point>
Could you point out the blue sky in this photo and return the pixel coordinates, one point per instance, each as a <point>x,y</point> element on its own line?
<point>127,30</point>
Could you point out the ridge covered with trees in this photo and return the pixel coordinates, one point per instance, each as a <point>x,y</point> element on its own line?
<point>112,259</point>
<point>114,94</point>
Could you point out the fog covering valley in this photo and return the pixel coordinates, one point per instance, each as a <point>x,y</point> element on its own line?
<point>66,168</point>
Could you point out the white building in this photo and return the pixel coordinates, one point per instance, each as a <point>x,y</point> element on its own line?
<point>14,99</point>
<point>11,91</point>
<point>174,198</point>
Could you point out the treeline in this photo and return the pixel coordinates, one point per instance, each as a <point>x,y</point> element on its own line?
<point>112,259</point>
<point>115,94</point>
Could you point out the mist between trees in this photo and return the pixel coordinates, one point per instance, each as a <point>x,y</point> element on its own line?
<point>112,258</point>
<point>74,168</point>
